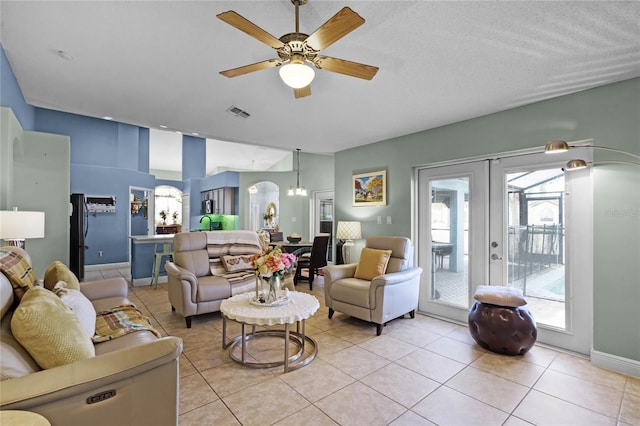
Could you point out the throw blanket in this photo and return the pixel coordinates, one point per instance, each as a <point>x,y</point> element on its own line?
<point>18,271</point>
<point>233,237</point>
<point>120,320</point>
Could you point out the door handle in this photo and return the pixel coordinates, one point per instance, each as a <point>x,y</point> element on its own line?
<point>495,257</point>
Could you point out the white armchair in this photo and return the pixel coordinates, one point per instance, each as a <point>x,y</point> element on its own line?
<point>390,295</point>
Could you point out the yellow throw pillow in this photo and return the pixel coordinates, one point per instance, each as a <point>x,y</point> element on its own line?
<point>49,330</point>
<point>372,263</point>
<point>58,271</point>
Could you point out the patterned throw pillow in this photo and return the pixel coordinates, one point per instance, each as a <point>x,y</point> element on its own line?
<point>58,271</point>
<point>49,330</point>
<point>17,269</point>
<point>241,262</point>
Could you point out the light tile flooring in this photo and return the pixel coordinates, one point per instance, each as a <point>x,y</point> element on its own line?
<point>420,371</point>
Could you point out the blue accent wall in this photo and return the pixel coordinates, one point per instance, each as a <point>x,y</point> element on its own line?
<point>105,157</point>
<point>143,149</point>
<point>194,162</point>
<point>11,95</point>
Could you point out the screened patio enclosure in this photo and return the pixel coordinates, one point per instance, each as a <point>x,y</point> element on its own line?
<point>535,241</point>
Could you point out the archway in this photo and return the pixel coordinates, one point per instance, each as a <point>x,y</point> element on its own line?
<point>264,206</point>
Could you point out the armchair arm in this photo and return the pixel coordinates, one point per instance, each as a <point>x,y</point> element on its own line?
<point>87,375</point>
<point>102,289</point>
<point>396,278</point>
<point>178,274</point>
<point>338,272</point>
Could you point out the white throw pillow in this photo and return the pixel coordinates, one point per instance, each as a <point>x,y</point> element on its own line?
<point>79,304</point>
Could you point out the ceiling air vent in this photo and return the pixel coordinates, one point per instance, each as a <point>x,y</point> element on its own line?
<point>235,111</point>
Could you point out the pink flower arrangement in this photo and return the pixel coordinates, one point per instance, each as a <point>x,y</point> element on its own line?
<point>273,262</point>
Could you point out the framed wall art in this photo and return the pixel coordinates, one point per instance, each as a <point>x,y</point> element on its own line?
<point>369,189</point>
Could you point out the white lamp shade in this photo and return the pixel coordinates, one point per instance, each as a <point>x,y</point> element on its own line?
<point>348,230</point>
<point>296,75</point>
<point>20,225</point>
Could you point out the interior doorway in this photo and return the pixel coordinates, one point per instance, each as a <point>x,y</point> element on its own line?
<point>141,222</point>
<point>323,219</point>
<point>264,206</point>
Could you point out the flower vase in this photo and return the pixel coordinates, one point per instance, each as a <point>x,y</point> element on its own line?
<point>270,289</point>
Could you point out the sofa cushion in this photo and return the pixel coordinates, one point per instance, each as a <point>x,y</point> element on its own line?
<point>352,291</point>
<point>240,262</point>
<point>58,271</point>
<point>18,270</point>
<point>79,304</point>
<point>499,295</point>
<point>49,330</point>
<point>212,288</point>
<point>373,262</point>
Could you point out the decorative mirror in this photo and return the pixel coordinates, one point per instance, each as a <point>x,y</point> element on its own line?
<point>270,214</point>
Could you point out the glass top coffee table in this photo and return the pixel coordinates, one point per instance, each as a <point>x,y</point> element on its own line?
<point>300,307</point>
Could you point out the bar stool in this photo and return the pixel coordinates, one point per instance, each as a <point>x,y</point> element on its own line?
<point>160,250</point>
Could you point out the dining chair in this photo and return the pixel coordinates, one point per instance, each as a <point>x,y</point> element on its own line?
<point>313,260</point>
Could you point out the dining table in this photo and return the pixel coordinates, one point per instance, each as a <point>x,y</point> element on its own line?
<point>295,248</point>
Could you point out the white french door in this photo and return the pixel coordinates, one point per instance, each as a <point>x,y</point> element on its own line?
<point>517,221</point>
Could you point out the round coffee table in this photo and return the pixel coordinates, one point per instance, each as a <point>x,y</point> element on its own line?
<point>239,309</point>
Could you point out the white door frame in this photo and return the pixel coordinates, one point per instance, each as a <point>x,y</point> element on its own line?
<point>579,279</point>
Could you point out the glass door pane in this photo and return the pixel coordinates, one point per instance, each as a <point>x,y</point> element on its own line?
<point>540,238</point>
<point>452,236</point>
<point>449,241</point>
<point>536,241</point>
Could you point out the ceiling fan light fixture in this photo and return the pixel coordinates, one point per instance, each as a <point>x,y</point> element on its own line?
<point>296,74</point>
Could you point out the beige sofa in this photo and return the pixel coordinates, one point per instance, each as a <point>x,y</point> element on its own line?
<point>132,379</point>
<point>199,280</point>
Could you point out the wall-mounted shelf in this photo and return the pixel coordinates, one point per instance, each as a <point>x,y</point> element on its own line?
<point>137,205</point>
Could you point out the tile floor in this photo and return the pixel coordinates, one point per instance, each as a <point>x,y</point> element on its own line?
<point>420,371</point>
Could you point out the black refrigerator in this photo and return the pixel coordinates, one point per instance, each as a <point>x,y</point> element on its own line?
<point>78,231</point>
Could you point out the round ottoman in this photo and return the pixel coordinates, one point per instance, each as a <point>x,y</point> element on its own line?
<point>508,330</point>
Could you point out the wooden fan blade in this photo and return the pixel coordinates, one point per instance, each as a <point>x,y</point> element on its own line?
<point>302,92</point>
<point>270,63</point>
<point>248,27</point>
<point>334,29</point>
<point>349,68</point>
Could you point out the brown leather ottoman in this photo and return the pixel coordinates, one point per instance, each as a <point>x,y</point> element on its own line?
<point>509,330</point>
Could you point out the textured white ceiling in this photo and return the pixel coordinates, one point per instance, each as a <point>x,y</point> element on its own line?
<point>157,63</point>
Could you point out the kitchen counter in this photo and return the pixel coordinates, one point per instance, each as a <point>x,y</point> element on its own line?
<point>143,248</point>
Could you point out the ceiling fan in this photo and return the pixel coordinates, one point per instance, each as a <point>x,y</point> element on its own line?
<point>296,49</point>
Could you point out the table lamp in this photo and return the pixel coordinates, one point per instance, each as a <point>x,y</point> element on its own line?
<point>348,231</point>
<point>16,226</point>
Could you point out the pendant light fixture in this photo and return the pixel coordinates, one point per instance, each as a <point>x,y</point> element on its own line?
<point>298,190</point>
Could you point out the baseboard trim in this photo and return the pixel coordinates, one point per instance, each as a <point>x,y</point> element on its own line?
<point>616,363</point>
<point>141,282</point>
<point>102,266</point>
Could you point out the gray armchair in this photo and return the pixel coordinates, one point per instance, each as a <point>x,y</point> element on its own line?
<point>387,296</point>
